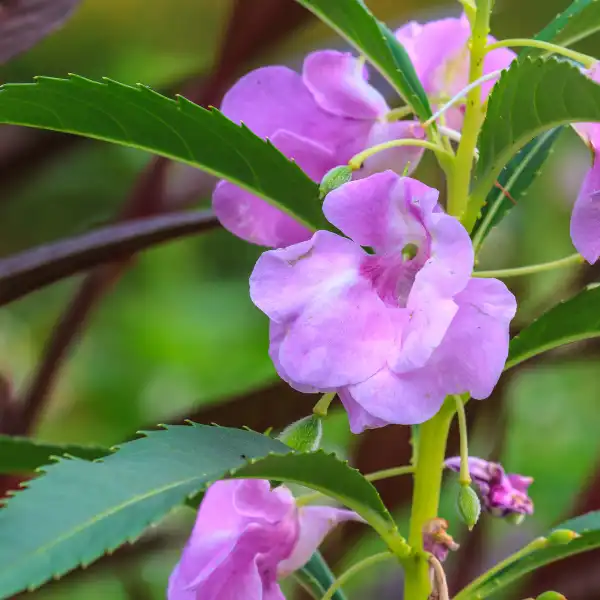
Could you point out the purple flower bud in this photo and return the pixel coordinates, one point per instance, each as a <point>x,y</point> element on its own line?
<point>502,495</point>
<point>437,540</point>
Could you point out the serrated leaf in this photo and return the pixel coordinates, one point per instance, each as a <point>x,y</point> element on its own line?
<point>317,575</point>
<point>571,321</point>
<point>178,129</point>
<point>25,22</point>
<point>516,178</point>
<point>80,510</point>
<point>24,455</point>
<point>532,96</point>
<point>587,526</point>
<point>353,20</point>
<point>579,21</point>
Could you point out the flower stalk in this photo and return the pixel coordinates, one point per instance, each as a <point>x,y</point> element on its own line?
<point>426,496</point>
<point>587,61</point>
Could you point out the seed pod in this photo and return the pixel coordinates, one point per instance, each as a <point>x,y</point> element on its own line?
<point>333,179</point>
<point>468,506</point>
<point>562,536</point>
<point>303,435</point>
<point>551,596</point>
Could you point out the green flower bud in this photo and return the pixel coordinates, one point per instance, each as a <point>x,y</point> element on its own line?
<point>303,435</point>
<point>333,179</point>
<point>515,518</point>
<point>560,537</point>
<point>468,506</point>
<point>551,596</point>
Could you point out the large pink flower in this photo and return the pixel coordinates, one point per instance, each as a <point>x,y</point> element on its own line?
<point>392,332</point>
<point>585,220</point>
<point>439,51</point>
<point>320,118</point>
<point>246,537</point>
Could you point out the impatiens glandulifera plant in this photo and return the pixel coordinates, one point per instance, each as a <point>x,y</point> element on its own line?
<point>370,286</point>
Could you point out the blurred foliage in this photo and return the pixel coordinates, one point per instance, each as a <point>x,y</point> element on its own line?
<point>179,330</point>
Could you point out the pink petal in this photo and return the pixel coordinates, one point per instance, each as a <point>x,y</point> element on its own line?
<point>379,211</point>
<point>315,523</point>
<point>498,59</point>
<point>520,482</point>
<point>255,220</point>
<point>590,132</point>
<point>400,159</point>
<point>434,45</point>
<point>273,99</point>
<point>451,263</point>
<point>473,353</point>
<point>254,499</point>
<point>339,331</point>
<point>338,82</point>
<point>585,219</point>
<point>402,399</point>
<point>358,417</point>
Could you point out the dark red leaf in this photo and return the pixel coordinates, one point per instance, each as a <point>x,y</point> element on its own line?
<point>24,22</point>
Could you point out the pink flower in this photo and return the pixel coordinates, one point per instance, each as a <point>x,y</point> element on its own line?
<point>439,51</point>
<point>392,332</point>
<point>246,537</point>
<point>321,119</point>
<point>437,540</point>
<point>585,219</point>
<point>502,495</point>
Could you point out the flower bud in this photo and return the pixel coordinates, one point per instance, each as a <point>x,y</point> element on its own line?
<point>560,537</point>
<point>437,540</point>
<point>333,179</point>
<point>468,506</point>
<point>515,518</point>
<point>303,435</point>
<point>551,596</point>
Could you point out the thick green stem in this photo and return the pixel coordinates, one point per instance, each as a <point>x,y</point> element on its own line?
<point>426,496</point>
<point>458,193</point>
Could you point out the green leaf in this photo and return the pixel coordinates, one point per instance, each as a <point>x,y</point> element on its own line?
<point>532,96</point>
<point>79,510</point>
<point>516,178</point>
<point>588,526</point>
<point>579,21</point>
<point>178,129</point>
<point>24,455</point>
<point>571,321</point>
<point>353,20</point>
<point>317,575</point>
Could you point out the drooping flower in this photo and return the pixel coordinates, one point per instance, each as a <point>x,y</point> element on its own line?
<point>247,536</point>
<point>392,332</point>
<point>437,540</point>
<point>585,219</point>
<point>320,119</point>
<point>439,51</point>
<point>502,495</point>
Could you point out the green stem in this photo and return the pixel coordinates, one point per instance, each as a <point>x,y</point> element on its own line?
<point>426,495</point>
<point>464,477</point>
<point>470,592</point>
<point>584,59</point>
<point>376,476</point>
<point>458,192</point>
<point>573,259</point>
<point>398,113</point>
<point>322,406</point>
<point>353,570</point>
<point>357,160</point>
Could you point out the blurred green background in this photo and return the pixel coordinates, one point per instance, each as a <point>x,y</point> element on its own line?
<point>179,331</point>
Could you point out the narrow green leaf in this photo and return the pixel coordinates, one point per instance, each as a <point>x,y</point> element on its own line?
<point>24,455</point>
<point>571,321</point>
<point>516,178</point>
<point>579,21</point>
<point>79,510</point>
<point>532,96</point>
<point>587,526</point>
<point>353,20</point>
<point>318,576</point>
<point>178,129</point>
